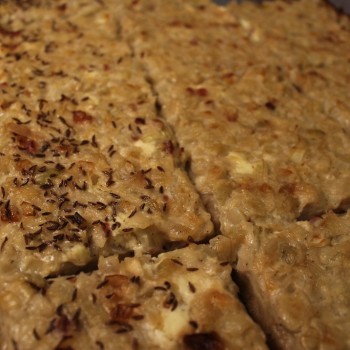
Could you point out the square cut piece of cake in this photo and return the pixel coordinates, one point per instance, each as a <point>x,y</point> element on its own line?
<point>183,299</point>
<point>88,168</point>
<point>296,278</point>
<point>246,121</point>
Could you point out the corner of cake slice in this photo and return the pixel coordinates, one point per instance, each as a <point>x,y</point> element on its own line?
<point>184,299</point>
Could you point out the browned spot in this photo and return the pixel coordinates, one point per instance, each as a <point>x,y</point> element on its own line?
<point>214,126</point>
<point>10,47</point>
<point>9,213</point>
<point>6,104</point>
<point>133,106</point>
<point>232,117</point>
<point>265,188</point>
<point>159,123</point>
<point>117,281</point>
<point>271,104</point>
<point>27,209</point>
<point>122,312</point>
<point>285,172</point>
<point>63,324</point>
<point>228,75</point>
<point>81,117</point>
<point>62,7</point>
<point>106,229</point>
<point>140,121</point>
<point>27,144</point>
<point>116,289</point>
<point>180,24</point>
<point>169,147</point>
<point>203,341</point>
<point>288,188</point>
<point>6,32</point>
<point>64,148</point>
<point>201,92</point>
<point>263,124</point>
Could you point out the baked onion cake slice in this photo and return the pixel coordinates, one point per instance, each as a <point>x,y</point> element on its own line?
<point>263,137</point>
<point>113,196</point>
<point>87,167</point>
<point>249,127</point>
<point>183,299</point>
<point>296,279</point>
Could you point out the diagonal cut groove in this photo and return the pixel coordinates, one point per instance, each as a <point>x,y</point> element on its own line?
<point>246,297</point>
<point>187,167</point>
<point>159,112</point>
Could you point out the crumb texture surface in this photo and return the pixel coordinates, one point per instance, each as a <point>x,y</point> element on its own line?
<point>151,151</point>
<point>262,110</point>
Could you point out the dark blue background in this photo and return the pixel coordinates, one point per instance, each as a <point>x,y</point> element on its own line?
<point>340,4</point>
